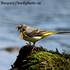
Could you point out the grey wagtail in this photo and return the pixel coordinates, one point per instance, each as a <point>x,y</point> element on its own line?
<point>33,35</point>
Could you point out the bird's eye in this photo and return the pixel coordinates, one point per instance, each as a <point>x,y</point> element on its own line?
<point>23,29</point>
<point>18,28</point>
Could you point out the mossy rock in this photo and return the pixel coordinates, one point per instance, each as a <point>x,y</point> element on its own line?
<point>48,61</point>
<point>44,60</point>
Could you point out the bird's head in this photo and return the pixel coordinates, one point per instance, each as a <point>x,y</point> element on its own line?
<point>21,27</point>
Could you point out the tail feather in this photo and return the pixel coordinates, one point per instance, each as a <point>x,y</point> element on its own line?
<point>49,33</point>
<point>63,33</point>
<point>53,33</point>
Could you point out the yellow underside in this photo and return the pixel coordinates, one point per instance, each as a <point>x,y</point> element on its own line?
<point>36,38</point>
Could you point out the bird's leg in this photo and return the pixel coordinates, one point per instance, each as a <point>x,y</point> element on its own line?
<point>29,43</point>
<point>34,44</point>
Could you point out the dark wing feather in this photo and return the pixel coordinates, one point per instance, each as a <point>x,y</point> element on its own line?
<point>36,33</point>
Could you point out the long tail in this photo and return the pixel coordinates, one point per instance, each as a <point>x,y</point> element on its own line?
<point>53,33</point>
<point>62,32</point>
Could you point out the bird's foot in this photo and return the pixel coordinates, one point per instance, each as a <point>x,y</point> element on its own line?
<point>28,43</point>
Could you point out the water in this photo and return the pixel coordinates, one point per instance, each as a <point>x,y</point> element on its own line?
<point>50,15</point>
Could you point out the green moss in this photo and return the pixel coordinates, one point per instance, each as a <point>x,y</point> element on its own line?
<point>48,61</point>
<point>41,59</point>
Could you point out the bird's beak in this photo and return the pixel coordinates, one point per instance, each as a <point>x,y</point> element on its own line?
<point>17,28</point>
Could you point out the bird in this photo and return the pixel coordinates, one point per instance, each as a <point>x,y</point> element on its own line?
<point>32,35</point>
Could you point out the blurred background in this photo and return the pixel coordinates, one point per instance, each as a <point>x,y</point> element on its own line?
<point>51,15</point>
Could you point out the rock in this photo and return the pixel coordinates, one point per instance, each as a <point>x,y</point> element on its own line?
<point>31,59</point>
